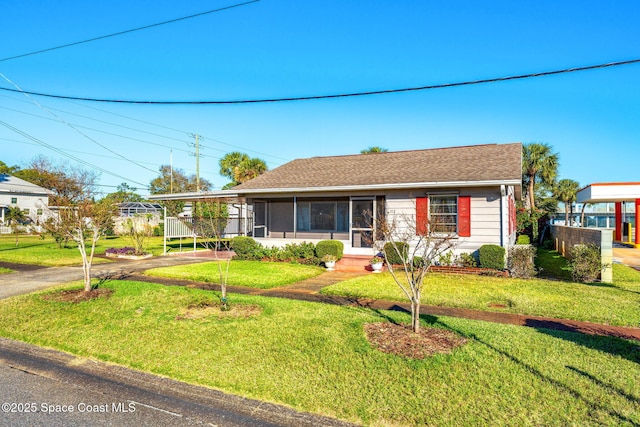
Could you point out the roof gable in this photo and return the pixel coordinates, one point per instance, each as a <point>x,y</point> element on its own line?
<point>12,184</point>
<point>478,163</point>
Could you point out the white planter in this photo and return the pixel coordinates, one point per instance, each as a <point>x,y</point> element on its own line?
<point>330,265</point>
<point>377,267</point>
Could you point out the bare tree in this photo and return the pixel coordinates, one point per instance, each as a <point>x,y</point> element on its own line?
<point>85,223</point>
<point>209,221</point>
<point>417,243</point>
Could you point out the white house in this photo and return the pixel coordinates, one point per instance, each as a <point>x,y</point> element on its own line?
<point>470,190</point>
<point>31,198</point>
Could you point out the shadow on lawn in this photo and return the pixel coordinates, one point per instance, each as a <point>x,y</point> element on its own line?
<point>615,346</point>
<point>577,394</point>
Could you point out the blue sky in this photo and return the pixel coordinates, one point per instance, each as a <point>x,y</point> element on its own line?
<point>296,48</point>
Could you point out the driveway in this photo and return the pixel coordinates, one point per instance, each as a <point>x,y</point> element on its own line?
<point>29,278</point>
<point>626,255</point>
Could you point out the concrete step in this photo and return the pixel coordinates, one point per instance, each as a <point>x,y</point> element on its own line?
<point>354,263</point>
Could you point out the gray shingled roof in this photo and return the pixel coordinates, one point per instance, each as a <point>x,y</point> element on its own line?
<point>12,184</point>
<point>478,163</point>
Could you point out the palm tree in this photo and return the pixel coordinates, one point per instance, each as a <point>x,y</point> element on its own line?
<point>15,215</point>
<point>539,165</point>
<point>250,169</point>
<point>240,168</point>
<point>566,191</point>
<point>373,150</point>
<point>230,162</point>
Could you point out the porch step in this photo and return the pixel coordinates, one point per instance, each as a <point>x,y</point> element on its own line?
<point>354,263</point>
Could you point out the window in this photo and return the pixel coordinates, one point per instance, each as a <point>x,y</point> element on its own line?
<point>443,213</point>
<point>322,216</point>
<point>39,212</point>
<point>25,211</point>
<point>14,200</point>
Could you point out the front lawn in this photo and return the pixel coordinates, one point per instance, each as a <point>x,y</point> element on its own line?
<point>615,304</point>
<point>315,357</point>
<point>253,274</point>
<point>44,251</point>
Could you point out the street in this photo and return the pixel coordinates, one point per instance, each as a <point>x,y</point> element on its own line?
<point>42,387</point>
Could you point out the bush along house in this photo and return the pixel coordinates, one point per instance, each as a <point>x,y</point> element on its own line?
<point>470,191</point>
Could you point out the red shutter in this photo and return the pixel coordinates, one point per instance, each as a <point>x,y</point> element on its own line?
<point>422,216</point>
<point>464,216</point>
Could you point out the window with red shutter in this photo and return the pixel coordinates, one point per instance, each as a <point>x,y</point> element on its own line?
<point>422,216</point>
<point>464,216</point>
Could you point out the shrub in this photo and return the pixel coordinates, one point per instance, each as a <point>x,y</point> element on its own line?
<point>467,260</point>
<point>521,261</point>
<point>304,250</point>
<point>329,247</point>
<point>246,248</point>
<point>491,256</point>
<point>523,239</point>
<point>585,263</point>
<point>396,252</point>
<point>447,259</point>
<point>127,250</point>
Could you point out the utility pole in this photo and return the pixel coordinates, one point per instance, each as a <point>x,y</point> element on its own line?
<point>197,155</point>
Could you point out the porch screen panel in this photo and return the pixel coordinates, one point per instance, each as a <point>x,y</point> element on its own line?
<point>281,215</point>
<point>342,216</point>
<point>303,216</point>
<point>323,216</point>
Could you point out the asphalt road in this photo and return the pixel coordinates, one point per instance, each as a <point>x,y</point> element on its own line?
<point>42,387</point>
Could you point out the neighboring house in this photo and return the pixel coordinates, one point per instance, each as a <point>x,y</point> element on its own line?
<point>471,190</point>
<point>31,198</point>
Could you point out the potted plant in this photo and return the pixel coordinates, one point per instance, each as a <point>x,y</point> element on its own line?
<point>329,261</point>
<point>376,263</point>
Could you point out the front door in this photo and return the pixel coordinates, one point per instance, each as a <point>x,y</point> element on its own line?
<point>362,223</point>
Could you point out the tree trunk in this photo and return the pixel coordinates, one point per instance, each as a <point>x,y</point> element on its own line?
<point>415,315</point>
<point>532,202</point>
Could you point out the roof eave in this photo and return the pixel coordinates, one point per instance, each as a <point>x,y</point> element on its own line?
<point>239,193</point>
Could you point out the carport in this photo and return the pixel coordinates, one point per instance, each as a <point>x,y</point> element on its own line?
<point>626,196</point>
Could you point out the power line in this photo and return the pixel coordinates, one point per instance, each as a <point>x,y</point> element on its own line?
<point>128,31</point>
<point>341,95</point>
<point>135,129</point>
<point>65,154</point>
<point>75,128</point>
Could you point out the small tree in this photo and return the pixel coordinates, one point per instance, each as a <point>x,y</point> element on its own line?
<point>84,223</point>
<point>416,244</point>
<point>210,218</point>
<point>15,216</point>
<point>139,229</point>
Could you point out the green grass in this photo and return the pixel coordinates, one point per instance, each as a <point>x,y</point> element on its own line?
<point>38,251</point>
<point>615,304</point>
<point>5,270</point>
<point>253,274</point>
<point>315,357</point>
<point>551,264</point>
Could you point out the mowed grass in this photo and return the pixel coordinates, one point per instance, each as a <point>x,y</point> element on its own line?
<point>253,274</point>
<point>615,304</point>
<point>315,357</point>
<point>44,251</point>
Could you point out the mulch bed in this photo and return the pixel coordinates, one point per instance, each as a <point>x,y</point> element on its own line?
<point>78,295</point>
<point>205,309</point>
<point>402,341</point>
